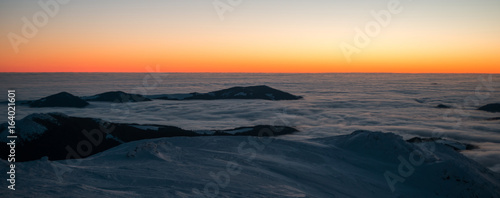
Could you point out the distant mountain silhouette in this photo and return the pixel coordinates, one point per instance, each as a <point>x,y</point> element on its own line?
<point>118,97</point>
<point>495,107</point>
<point>63,99</point>
<point>253,92</point>
<point>442,106</point>
<point>493,119</point>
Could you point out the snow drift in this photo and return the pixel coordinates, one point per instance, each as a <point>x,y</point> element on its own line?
<point>361,164</point>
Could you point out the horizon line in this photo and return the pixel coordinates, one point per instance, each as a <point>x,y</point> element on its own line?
<point>267,72</point>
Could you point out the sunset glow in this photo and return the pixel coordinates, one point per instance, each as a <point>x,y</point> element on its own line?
<point>257,36</point>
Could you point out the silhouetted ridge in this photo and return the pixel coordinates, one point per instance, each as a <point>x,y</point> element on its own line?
<point>493,119</point>
<point>253,92</point>
<point>63,99</point>
<point>442,106</point>
<point>493,108</point>
<point>118,97</point>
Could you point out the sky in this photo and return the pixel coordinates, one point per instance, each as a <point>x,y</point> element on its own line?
<point>270,36</point>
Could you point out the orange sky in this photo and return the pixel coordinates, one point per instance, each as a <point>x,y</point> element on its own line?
<point>255,37</point>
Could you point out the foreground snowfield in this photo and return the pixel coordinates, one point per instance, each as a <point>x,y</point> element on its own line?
<point>351,165</point>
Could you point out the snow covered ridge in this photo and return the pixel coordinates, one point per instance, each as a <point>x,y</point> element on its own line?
<point>59,136</point>
<point>350,165</point>
<point>29,127</point>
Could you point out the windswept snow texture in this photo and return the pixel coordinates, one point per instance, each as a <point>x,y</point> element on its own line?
<point>29,128</point>
<point>351,165</point>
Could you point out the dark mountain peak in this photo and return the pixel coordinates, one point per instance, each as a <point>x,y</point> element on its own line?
<point>63,99</point>
<point>493,108</point>
<point>118,97</point>
<point>493,119</point>
<point>442,106</point>
<point>251,92</point>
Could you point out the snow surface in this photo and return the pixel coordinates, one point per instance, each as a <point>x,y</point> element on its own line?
<point>28,128</point>
<point>337,166</point>
<point>145,127</point>
<point>208,132</point>
<point>242,130</point>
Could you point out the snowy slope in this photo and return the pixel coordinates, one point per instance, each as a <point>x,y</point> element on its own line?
<point>339,166</point>
<point>29,128</point>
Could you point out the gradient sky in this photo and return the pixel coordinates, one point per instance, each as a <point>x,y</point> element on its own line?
<point>439,36</point>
